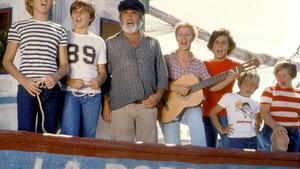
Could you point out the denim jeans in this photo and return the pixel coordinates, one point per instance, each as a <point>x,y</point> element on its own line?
<point>224,138</point>
<point>212,134</point>
<point>264,138</point>
<point>193,118</point>
<point>28,107</point>
<point>293,134</point>
<point>80,115</point>
<point>248,143</point>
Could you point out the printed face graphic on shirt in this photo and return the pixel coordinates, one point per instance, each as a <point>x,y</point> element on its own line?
<point>245,109</point>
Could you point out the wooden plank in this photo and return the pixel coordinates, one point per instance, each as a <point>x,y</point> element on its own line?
<point>32,142</point>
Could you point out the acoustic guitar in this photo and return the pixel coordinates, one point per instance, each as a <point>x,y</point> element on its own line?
<point>172,104</point>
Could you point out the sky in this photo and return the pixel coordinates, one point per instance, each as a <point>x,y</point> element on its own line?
<point>261,26</point>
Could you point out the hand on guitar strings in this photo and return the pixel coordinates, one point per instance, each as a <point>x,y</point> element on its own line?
<point>233,74</point>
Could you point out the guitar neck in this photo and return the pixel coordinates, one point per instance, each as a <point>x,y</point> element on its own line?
<point>209,82</point>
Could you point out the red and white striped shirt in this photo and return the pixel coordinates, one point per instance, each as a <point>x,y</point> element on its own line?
<point>284,105</point>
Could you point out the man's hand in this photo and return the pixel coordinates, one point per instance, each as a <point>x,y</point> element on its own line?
<point>106,112</point>
<point>152,100</point>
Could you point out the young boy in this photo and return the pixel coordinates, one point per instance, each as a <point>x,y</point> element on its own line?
<point>41,44</point>
<point>87,58</point>
<point>221,44</point>
<point>241,113</point>
<point>280,110</point>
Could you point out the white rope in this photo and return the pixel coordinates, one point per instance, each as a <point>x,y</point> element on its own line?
<point>43,115</point>
<point>41,85</point>
<point>86,85</point>
<point>76,92</point>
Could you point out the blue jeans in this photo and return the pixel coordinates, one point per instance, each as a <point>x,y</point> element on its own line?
<point>249,143</point>
<point>212,134</point>
<point>80,115</point>
<point>293,134</point>
<point>193,118</point>
<point>264,138</point>
<point>224,138</point>
<point>28,107</point>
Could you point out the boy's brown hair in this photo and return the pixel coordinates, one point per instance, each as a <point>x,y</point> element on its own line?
<point>251,77</point>
<point>285,64</point>
<point>88,6</point>
<point>221,32</point>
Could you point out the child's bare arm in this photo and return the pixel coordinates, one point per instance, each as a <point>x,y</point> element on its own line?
<point>216,122</point>
<point>258,122</point>
<point>221,85</point>
<point>100,79</point>
<point>8,62</point>
<point>265,114</point>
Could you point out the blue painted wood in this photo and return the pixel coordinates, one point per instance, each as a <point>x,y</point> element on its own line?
<point>36,160</point>
<point>8,100</point>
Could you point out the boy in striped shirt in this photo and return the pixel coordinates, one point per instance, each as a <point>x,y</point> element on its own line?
<point>44,60</point>
<point>280,109</point>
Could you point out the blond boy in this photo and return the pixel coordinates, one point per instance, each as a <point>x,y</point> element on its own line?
<point>242,113</point>
<point>41,43</point>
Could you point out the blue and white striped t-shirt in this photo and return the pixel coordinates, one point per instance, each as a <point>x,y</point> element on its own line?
<point>38,43</point>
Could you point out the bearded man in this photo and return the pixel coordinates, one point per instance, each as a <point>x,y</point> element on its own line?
<point>138,78</point>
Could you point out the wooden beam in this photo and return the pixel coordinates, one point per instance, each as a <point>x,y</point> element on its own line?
<point>32,142</point>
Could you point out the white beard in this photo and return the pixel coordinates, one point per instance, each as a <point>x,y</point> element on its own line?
<point>131,28</point>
